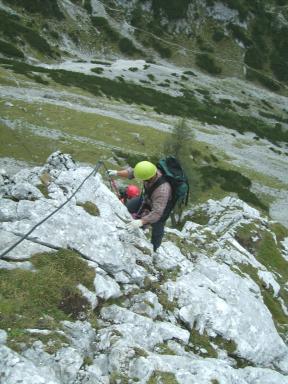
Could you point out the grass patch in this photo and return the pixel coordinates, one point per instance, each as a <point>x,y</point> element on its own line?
<point>90,208</point>
<point>163,349</point>
<point>43,298</point>
<point>75,126</point>
<point>162,377</point>
<point>19,144</point>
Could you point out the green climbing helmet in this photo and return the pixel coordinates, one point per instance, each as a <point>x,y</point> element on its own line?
<point>144,170</point>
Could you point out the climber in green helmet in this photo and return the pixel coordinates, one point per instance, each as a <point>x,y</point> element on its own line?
<point>152,208</point>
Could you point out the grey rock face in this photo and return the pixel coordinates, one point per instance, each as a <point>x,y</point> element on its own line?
<point>163,300</point>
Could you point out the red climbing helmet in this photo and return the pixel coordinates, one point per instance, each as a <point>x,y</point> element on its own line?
<point>132,191</point>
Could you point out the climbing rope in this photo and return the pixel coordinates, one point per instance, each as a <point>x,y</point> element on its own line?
<point>95,170</point>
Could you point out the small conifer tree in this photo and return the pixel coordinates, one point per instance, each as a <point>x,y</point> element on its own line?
<point>179,145</point>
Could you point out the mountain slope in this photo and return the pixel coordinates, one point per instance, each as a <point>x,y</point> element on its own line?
<point>234,38</point>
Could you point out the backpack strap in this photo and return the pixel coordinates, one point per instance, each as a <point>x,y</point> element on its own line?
<point>148,191</point>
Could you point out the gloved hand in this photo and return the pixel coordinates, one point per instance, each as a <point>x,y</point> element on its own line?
<point>134,225</point>
<point>111,172</point>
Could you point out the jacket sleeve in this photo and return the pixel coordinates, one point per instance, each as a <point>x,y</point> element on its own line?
<point>130,173</point>
<point>159,200</point>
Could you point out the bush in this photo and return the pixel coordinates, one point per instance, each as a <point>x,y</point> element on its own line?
<point>218,35</point>
<point>11,27</point>
<point>262,79</point>
<point>126,46</point>
<point>163,51</point>
<point>88,6</point>
<point>173,9</point>
<point>279,66</point>
<point>97,70</point>
<point>102,24</point>
<point>9,50</point>
<point>206,62</point>
<point>48,8</point>
<point>240,34</point>
<point>254,58</point>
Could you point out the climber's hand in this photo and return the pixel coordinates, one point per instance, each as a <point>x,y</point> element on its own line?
<point>134,225</point>
<point>112,172</point>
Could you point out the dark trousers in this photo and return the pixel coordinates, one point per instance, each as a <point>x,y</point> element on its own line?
<point>133,206</point>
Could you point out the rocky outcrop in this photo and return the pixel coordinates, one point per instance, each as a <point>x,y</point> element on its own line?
<point>187,313</point>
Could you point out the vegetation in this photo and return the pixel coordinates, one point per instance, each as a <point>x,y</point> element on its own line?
<point>240,34</point>
<point>173,9</point>
<point>163,50</point>
<point>11,27</point>
<point>230,181</point>
<point>90,208</point>
<point>10,50</point>
<point>102,24</point>
<point>42,298</point>
<point>47,8</point>
<point>127,47</point>
<point>162,377</point>
<point>206,61</point>
<point>267,252</point>
<point>185,106</point>
<point>254,58</point>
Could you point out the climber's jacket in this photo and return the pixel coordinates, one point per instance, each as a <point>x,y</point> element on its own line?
<point>157,202</point>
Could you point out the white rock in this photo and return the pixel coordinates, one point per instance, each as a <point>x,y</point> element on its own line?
<point>106,287</point>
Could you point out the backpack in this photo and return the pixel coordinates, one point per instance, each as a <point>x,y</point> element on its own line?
<point>174,174</point>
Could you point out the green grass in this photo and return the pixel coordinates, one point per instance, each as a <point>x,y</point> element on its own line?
<point>162,377</point>
<point>43,298</point>
<point>73,123</point>
<point>90,208</point>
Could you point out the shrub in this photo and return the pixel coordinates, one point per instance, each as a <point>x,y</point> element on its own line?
<point>218,35</point>
<point>102,24</point>
<point>163,51</point>
<point>11,27</point>
<point>279,66</point>
<point>254,58</point>
<point>88,6</point>
<point>189,73</point>
<point>126,46</point>
<point>48,8</point>
<point>206,62</point>
<point>9,50</point>
<point>240,34</point>
<point>173,9</point>
<point>262,79</point>
<point>97,70</point>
